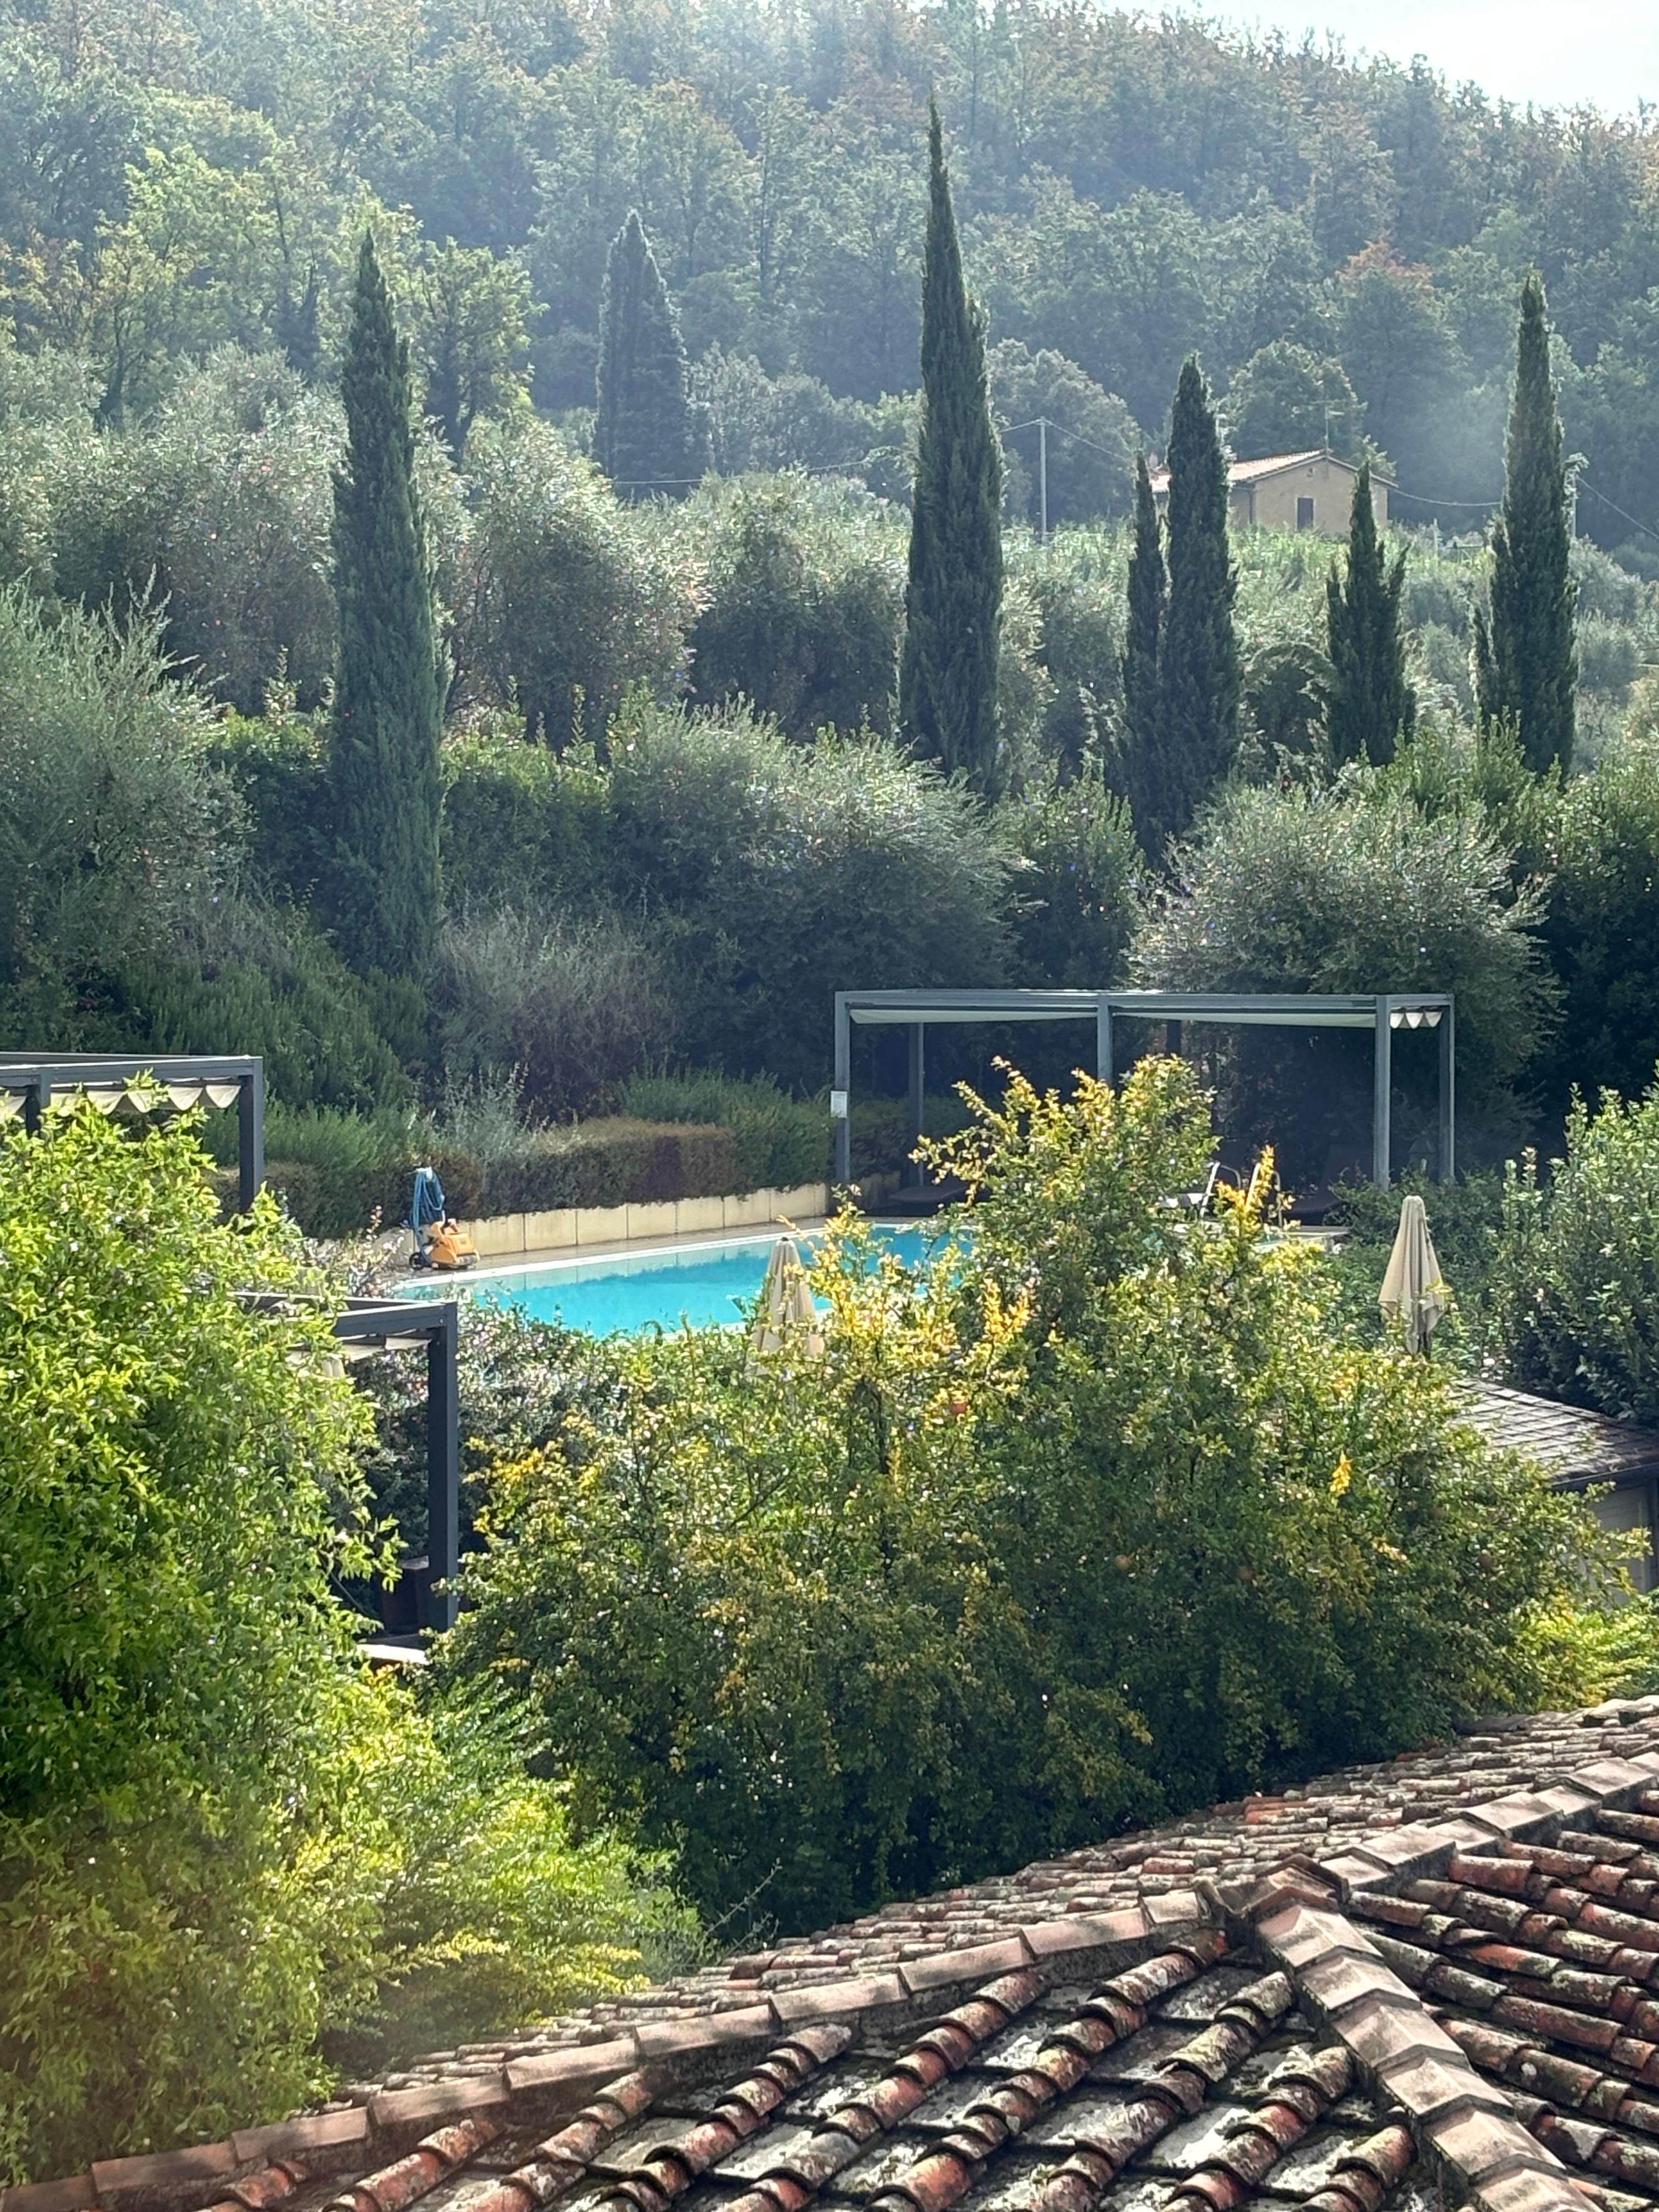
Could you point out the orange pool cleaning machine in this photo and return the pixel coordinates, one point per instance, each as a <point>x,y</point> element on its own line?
<point>440,1242</point>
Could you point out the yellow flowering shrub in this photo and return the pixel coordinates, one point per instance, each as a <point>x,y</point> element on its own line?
<point>1101,1515</point>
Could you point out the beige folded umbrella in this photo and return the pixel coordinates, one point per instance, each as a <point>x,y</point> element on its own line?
<point>787,1306</point>
<point>1412,1291</point>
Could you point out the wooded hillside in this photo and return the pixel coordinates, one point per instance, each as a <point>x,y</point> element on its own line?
<point>178,172</point>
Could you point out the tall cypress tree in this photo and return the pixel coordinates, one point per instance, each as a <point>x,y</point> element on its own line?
<point>1143,633</point>
<point>1371,704</point>
<point>1197,663</point>
<point>389,690</point>
<point>1526,666</point>
<point>953,599</point>
<point>647,435</point>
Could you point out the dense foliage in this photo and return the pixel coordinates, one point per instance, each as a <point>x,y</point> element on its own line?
<point>1371,705</point>
<point>947,683</point>
<point>1096,1519</point>
<point>1526,668</point>
<point>381,873</point>
<point>1577,1279</point>
<point>1129,190</point>
<point>1358,888</point>
<point>218,1843</point>
<point>1198,672</point>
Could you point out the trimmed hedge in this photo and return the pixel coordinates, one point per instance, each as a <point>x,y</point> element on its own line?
<point>356,1168</point>
<point>613,1162</point>
<point>335,1171</point>
<point>781,1142</point>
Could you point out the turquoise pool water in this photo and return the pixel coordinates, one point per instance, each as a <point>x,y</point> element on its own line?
<point>704,1285</point>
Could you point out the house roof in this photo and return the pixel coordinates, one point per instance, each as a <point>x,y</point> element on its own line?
<point>1575,1446</point>
<point>1275,465</point>
<point>1430,1982</point>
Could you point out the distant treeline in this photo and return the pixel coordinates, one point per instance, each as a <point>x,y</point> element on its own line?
<point>177,174</point>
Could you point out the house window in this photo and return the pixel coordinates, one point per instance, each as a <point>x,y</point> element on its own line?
<point>1304,514</point>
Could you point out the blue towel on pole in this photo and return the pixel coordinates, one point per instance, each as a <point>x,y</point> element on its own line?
<point>427,1205</point>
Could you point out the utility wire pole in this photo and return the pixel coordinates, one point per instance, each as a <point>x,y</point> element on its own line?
<point>1042,476</point>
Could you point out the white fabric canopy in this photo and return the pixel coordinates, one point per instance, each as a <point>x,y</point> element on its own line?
<point>1413,1292</point>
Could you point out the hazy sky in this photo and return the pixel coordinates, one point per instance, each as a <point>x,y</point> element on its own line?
<point>1550,51</point>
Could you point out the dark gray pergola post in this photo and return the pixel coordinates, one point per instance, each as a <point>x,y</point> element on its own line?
<point>443,1473</point>
<point>1382,1093</point>
<point>391,1325</point>
<point>839,1100</point>
<point>1103,1038</point>
<point>250,1135</point>
<point>917,1095</point>
<point>1447,1164</point>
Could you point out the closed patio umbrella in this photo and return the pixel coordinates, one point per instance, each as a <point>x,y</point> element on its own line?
<point>787,1306</point>
<point>1412,1291</point>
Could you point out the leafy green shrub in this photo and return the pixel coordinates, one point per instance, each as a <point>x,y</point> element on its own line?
<point>217,512</point>
<point>788,873</point>
<point>246,980</point>
<point>279,766</point>
<point>803,595</point>
<point>486,1909</point>
<point>565,598</point>
<point>1101,1518</point>
<point>1358,889</point>
<point>1075,586</point>
<point>1077,896</point>
<point>1601,858</point>
<point>112,828</point>
<point>611,1162</point>
<point>1609,656</point>
<point>1575,1297</point>
<point>521,826</point>
<point>570,1007</point>
<point>779,1142</point>
<point>168,1645</point>
<point>225,1855</point>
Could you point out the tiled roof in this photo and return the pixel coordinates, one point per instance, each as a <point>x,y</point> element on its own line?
<point>1432,1984</point>
<point>1274,464</point>
<point>1573,1445</point>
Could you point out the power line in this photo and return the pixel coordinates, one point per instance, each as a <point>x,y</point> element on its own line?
<point>1076,436</point>
<point>1585,485</point>
<point>1432,499</point>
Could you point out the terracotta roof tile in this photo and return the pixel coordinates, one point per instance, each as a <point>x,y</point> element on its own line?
<point>1157,2024</point>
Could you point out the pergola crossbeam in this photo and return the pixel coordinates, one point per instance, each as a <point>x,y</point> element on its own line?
<point>1381,1012</point>
<point>29,1081</point>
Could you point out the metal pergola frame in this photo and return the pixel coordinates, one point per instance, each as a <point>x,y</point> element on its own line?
<point>375,1325</point>
<point>36,1077</point>
<point>1381,1012</point>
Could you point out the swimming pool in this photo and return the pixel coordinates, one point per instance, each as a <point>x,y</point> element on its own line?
<point>705,1285</point>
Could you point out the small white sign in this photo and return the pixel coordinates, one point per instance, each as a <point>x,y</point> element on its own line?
<point>837,1105</point>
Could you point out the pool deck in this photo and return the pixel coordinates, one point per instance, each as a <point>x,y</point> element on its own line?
<point>621,1248</point>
